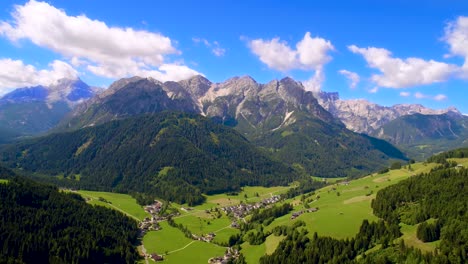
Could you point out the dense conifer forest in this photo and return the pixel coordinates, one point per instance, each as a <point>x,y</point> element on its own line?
<point>173,156</point>
<point>40,224</point>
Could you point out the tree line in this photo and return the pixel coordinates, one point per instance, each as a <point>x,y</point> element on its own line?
<point>41,224</point>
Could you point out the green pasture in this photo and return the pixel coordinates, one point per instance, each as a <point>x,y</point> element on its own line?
<point>121,202</point>
<point>343,206</point>
<point>411,240</point>
<point>176,248</point>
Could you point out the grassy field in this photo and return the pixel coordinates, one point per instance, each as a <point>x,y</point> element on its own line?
<point>197,252</point>
<point>3,181</point>
<point>121,202</point>
<point>342,207</point>
<point>203,225</point>
<point>248,194</point>
<point>253,253</point>
<point>176,248</point>
<point>409,236</point>
<point>165,240</point>
<point>271,243</point>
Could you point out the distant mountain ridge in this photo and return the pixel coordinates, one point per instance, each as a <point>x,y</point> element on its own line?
<point>363,116</point>
<point>423,135</point>
<point>33,110</point>
<point>419,131</point>
<point>70,91</point>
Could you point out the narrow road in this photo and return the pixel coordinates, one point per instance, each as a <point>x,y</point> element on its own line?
<point>143,250</point>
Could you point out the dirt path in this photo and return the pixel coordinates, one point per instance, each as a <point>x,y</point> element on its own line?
<point>222,228</point>
<point>182,248</point>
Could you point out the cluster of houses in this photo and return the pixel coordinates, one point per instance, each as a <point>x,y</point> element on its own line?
<point>205,238</point>
<point>151,223</point>
<point>231,253</point>
<point>298,213</point>
<point>241,210</point>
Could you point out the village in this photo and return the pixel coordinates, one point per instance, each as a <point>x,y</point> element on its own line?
<point>237,211</point>
<point>241,210</point>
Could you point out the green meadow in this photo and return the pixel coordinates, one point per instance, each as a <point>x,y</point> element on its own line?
<point>121,202</point>
<point>342,207</point>
<point>409,236</point>
<point>176,248</point>
<point>3,181</point>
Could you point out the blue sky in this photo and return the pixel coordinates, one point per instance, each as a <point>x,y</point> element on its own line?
<point>388,52</point>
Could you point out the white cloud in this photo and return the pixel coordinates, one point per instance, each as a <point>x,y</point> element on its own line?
<point>215,47</point>
<point>353,78</point>
<point>405,94</point>
<point>374,90</point>
<point>16,74</point>
<point>310,53</point>
<point>275,54</point>
<point>314,84</point>
<point>107,51</point>
<point>456,36</point>
<point>439,97</point>
<point>313,52</point>
<point>402,73</point>
<point>419,95</point>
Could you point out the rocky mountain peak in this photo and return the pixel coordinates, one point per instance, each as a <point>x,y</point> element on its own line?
<point>197,85</point>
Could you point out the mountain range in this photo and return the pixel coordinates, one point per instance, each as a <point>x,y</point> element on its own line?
<point>34,110</point>
<point>182,139</point>
<point>280,117</point>
<point>417,130</point>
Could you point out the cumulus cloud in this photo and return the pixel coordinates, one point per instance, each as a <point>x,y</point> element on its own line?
<point>107,51</point>
<point>405,94</point>
<point>456,36</point>
<point>403,73</point>
<point>215,47</point>
<point>374,90</point>
<point>310,54</point>
<point>314,84</point>
<point>16,74</point>
<point>353,78</point>
<point>439,97</point>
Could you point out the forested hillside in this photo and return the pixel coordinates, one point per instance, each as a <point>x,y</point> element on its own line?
<point>328,150</point>
<point>421,136</point>
<point>173,156</point>
<point>42,225</point>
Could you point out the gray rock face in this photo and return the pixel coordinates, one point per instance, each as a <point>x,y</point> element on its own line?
<point>242,101</point>
<point>363,116</point>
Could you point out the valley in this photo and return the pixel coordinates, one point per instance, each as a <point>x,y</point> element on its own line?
<point>342,206</point>
<point>233,132</point>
